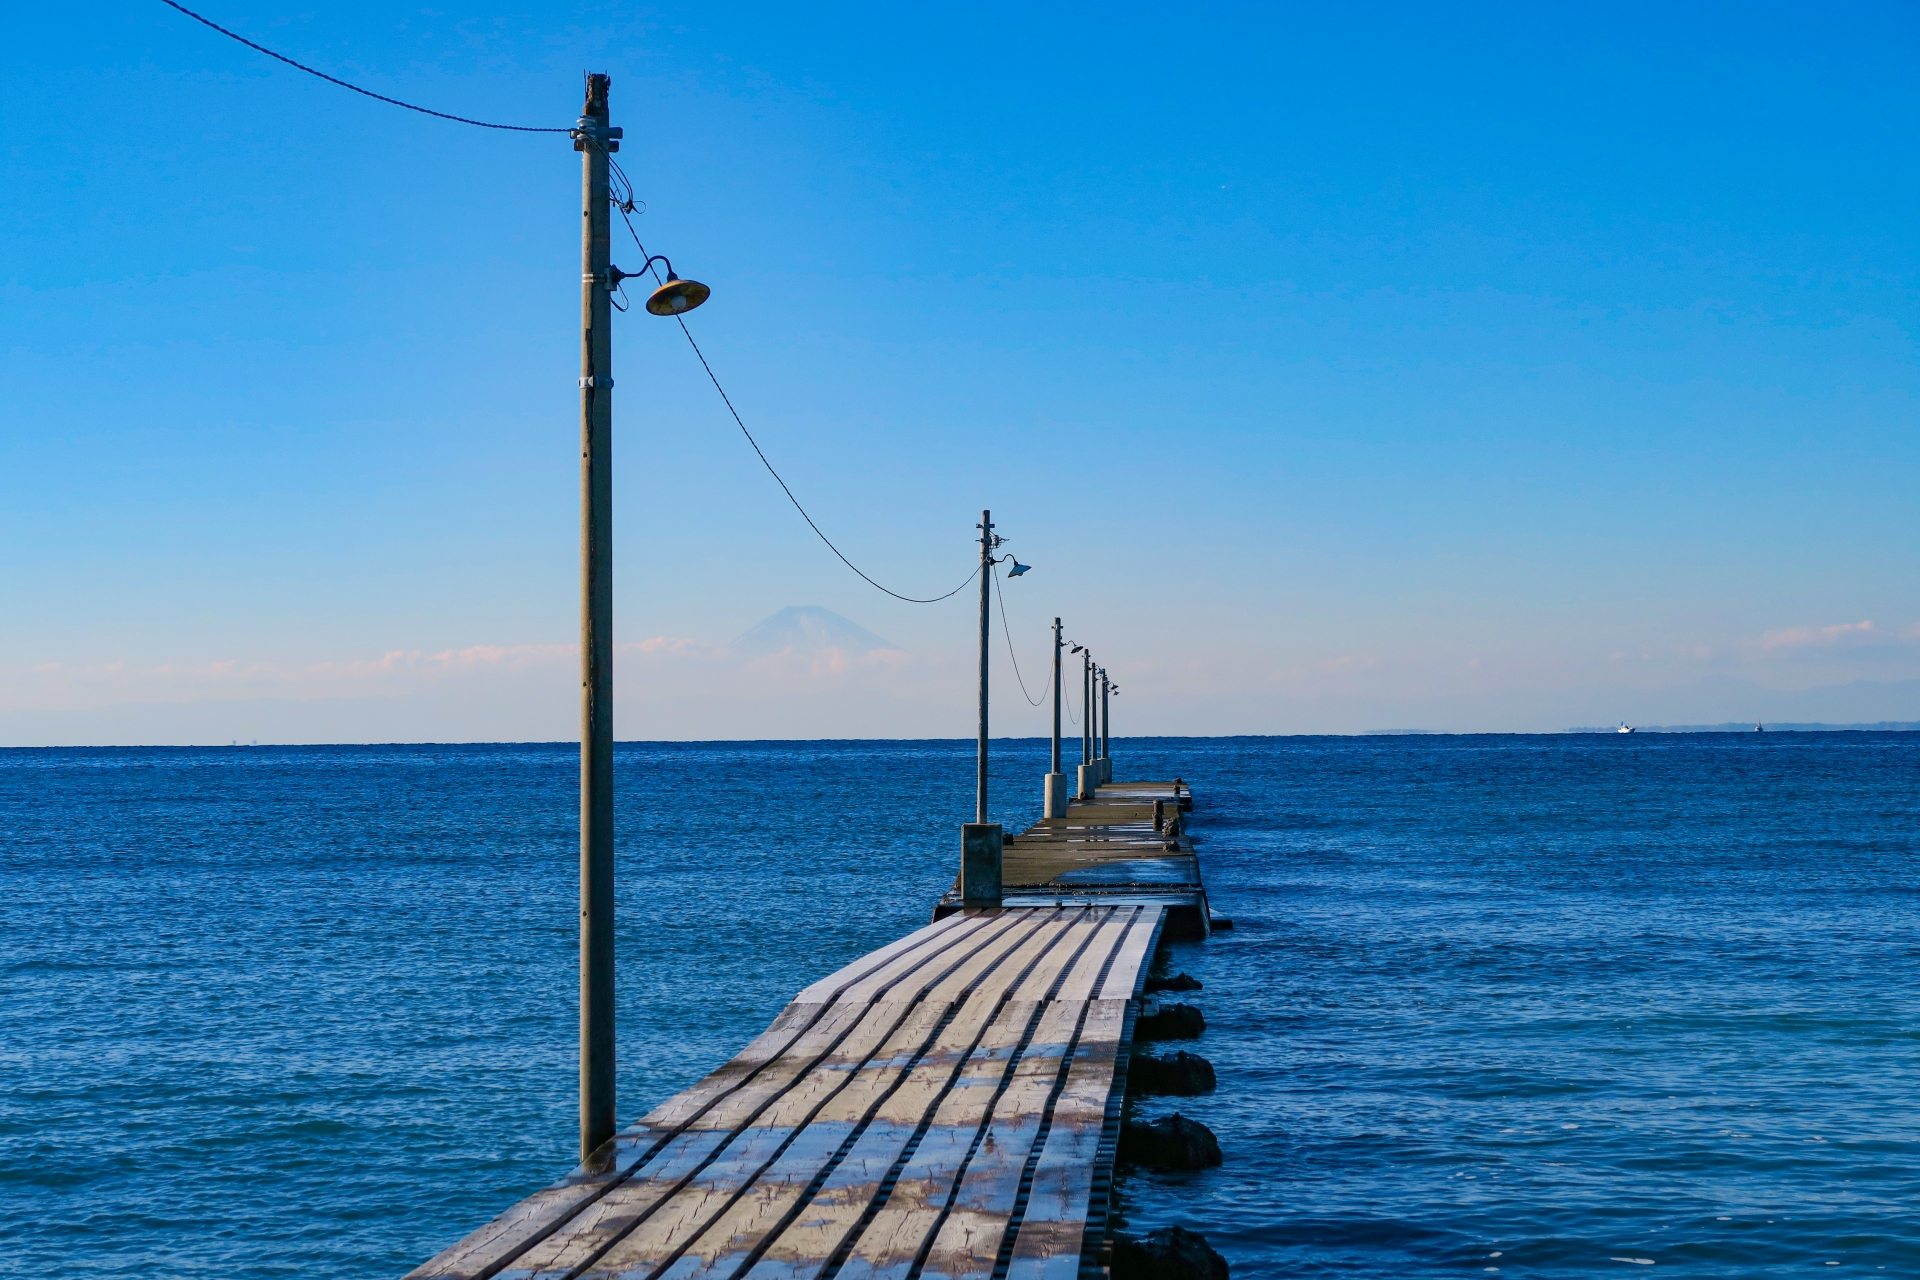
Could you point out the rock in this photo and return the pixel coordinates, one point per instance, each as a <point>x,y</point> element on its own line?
<point>1184,1075</point>
<point>1171,1253</point>
<point>1178,982</point>
<point>1173,1022</point>
<point>1174,1143</point>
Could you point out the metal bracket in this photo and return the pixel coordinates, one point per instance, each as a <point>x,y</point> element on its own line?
<point>597,383</point>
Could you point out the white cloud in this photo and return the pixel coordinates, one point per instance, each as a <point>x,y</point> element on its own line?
<point>1802,637</point>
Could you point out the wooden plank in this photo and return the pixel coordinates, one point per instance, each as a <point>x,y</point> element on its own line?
<point>824,991</point>
<point>890,1244</point>
<point>1079,984</point>
<point>1053,1229</point>
<point>961,1070</point>
<point>734,1237</point>
<point>1129,964</point>
<point>968,1241</point>
<point>681,1216</point>
<point>918,1204</point>
<point>952,947</point>
<point>615,1213</point>
<point>1030,936</point>
<point>1080,930</point>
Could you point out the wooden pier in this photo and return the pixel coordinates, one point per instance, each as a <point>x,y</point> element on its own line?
<point>1125,843</point>
<point>947,1106</point>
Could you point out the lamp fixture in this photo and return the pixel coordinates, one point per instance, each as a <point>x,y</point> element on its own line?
<point>675,297</point>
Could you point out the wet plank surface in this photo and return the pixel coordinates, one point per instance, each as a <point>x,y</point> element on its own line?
<point>1109,848</point>
<point>886,1123</point>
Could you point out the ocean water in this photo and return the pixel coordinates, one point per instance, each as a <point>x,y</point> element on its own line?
<point>1534,1006</point>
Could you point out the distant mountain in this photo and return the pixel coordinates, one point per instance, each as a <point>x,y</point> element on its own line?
<point>807,628</point>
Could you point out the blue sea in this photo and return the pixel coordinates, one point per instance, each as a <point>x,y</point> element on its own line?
<point>1531,1006</point>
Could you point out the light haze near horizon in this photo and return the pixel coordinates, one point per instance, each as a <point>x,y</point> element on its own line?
<point>1335,370</point>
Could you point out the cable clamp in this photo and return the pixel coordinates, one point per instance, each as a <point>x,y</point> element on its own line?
<point>597,383</point>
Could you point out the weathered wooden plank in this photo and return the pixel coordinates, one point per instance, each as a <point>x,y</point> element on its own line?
<point>968,1132</point>
<point>887,1248</point>
<point>825,990</point>
<point>944,948</point>
<point>962,1070</point>
<point>968,1241</point>
<point>1026,941</point>
<point>1039,984</point>
<point>732,1239</point>
<point>588,1233</point>
<point>1079,984</point>
<point>1053,1229</point>
<point>685,1213</point>
<point>1129,964</point>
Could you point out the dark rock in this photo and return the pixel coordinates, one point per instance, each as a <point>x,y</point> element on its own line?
<point>1171,1253</point>
<point>1173,1022</point>
<point>1184,1075</point>
<point>1178,982</point>
<point>1174,1143</point>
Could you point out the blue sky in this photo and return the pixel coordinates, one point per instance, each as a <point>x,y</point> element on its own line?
<point>1338,368</point>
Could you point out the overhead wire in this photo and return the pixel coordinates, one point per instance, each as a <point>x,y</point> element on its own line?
<point>625,206</point>
<point>301,66</point>
<point>1008,632</point>
<point>622,197</point>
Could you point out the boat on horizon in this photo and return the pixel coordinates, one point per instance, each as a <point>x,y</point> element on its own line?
<point>1624,728</point>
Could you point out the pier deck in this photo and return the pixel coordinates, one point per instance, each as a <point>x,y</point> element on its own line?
<point>945,1107</point>
<point>1107,849</point>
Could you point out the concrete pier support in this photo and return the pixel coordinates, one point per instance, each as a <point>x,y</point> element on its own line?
<point>1056,796</point>
<point>1088,779</point>
<point>981,846</point>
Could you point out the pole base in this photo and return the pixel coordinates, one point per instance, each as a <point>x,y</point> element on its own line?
<point>1056,795</point>
<point>981,844</point>
<point>1088,780</point>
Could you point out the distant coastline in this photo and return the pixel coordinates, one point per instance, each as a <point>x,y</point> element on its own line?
<point>1747,726</point>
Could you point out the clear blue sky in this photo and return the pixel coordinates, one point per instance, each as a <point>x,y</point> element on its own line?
<point>1338,367</point>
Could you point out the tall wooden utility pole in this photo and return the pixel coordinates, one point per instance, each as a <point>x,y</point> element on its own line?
<point>1106,718</point>
<point>986,589</point>
<point>1055,767</point>
<point>1055,792</point>
<point>981,842</point>
<point>1086,704</point>
<point>594,140</point>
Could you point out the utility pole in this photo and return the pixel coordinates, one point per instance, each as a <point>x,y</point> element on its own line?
<point>1093,724</point>
<point>1106,722</point>
<point>1056,698</point>
<point>1086,704</point>
<point>981,842</point>
<point>1056,786</point>
<point>986,590</point>
<point>594,140</point>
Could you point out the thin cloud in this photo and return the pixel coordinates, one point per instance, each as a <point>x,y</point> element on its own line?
<point>1803,637</point>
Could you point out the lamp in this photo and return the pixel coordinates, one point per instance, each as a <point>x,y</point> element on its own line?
<point>675,297</point>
